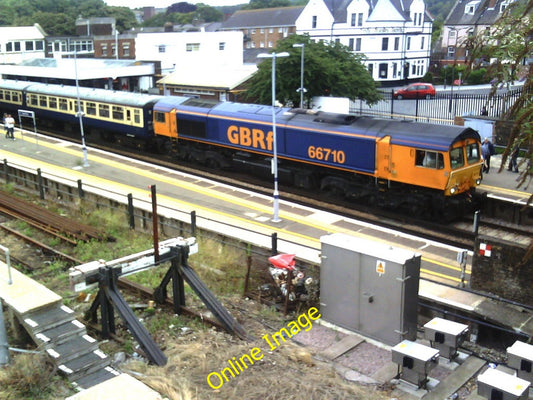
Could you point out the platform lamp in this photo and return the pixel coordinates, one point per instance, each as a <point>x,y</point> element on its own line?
<point>80,112</point>
<point>301,89</point>
<point>273,56</point>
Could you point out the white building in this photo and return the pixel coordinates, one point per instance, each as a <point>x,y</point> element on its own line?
<point>394,35</point>
<point>190,48</point>
<point>19,43</point>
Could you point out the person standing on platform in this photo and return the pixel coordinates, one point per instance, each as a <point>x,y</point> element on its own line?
<point>513,161</point>
<point>487,150</point>
<point>9,124</point>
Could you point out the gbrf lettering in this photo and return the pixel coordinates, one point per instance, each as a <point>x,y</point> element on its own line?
<point>255,138</point>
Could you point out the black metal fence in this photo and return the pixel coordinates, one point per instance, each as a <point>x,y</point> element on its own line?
<point>442,109</point>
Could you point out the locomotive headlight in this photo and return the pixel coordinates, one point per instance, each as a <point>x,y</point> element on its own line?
<point>453,190</point>
<point>478,181</point>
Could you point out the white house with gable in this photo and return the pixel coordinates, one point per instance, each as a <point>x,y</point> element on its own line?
<point>194,49</point>
<point>19,43</point>
<point>393,35</point>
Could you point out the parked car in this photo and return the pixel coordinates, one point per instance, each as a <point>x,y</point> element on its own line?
<point>416,91</point>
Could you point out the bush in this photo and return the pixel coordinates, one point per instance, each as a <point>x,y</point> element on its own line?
<point>28,376</point>
<point>428,77</point>
<point>477,77</point>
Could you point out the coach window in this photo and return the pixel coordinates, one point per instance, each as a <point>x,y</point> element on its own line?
<point>137,116</point>
<point>118,113</point>
<point>63,105</point>
<point>32,99</point>
<point>42,101</point>
<point>8,95</point>
<point>457,158</point>
<point>91,109</point>
<point>103,110</point>
<point>15,96</point>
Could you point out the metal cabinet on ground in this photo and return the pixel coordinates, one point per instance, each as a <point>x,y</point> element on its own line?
<point>494,384</point>
<point>520,358</point>
<point>369,287</point>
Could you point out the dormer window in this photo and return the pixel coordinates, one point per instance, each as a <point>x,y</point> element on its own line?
<point>471,7</point>
<point>503,6</point>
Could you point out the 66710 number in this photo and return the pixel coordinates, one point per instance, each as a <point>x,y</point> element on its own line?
<point>325,154</point>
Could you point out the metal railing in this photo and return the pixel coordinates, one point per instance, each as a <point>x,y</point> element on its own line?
<point>440,110</point>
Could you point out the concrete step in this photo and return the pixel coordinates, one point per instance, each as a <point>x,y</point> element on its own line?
<point>48,318</point>
<point>60,333</point>
<point>85,364</point>
<point>72,348</point>
<point>95,378</point>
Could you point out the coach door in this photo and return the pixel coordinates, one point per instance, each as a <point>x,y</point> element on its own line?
<point>383,158</point>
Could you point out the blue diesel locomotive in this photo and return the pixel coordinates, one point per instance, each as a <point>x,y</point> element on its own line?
<point>425,169</point>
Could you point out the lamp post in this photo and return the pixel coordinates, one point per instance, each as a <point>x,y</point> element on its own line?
<point>273,56</point>
<point>80,112</point>
<point>301,89</point>
<point>116,43</point>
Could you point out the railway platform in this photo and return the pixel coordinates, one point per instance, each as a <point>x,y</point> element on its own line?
<point>247,216</point>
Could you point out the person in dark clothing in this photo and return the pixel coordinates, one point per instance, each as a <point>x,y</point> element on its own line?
<point>513,160</point>
<point>487,150</point>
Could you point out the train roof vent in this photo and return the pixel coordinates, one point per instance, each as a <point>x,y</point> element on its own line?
<point>332,118</point>
<point>202,103</point>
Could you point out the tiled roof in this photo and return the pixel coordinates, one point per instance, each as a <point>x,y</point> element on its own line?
<point>267,17</point>
<point>486,12</point>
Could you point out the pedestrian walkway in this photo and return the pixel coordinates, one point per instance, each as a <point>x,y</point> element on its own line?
<point>53,327</point>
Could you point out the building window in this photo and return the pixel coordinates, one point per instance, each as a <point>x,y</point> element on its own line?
<point>9,47</point>
<point>280,30</point>
<point>384,44</point>
<point>262,30</point>
<point>162,48</point>
<point>125,49</point>
<point>29,45</point>
<point>396,43</point>
<point>422,43</point>
<point>354,16</point>
<point>270,30</point>
<point>222,46</point>
<point>358,44</point>
<point>253,31</point>
<point>351,43</point>
<point>270,44</point>
<point>371,69</point>
<point>408,43</point>
<point>383,70</point>
<point>193,46</point>
<point>313,24</point>
<point>451,51</point>
<point>39,45</point>
<point>261,44</point>
<point>104,50</point>
<point>360,19</point>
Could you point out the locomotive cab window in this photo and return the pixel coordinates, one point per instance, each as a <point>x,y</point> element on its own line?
<point>457,158</point>
<point>159,117</point>
<point>429,159</point>
<point>472,153</point>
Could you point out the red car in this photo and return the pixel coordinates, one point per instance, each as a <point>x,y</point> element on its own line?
<point>415,91</point>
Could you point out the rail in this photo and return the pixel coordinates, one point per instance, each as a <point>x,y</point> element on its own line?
<point>8,262</point>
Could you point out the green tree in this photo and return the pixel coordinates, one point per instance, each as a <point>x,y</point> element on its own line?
<point>259,4</point>
<point>509,43</point>
<point>55,24</point>
<point>330,69</point>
